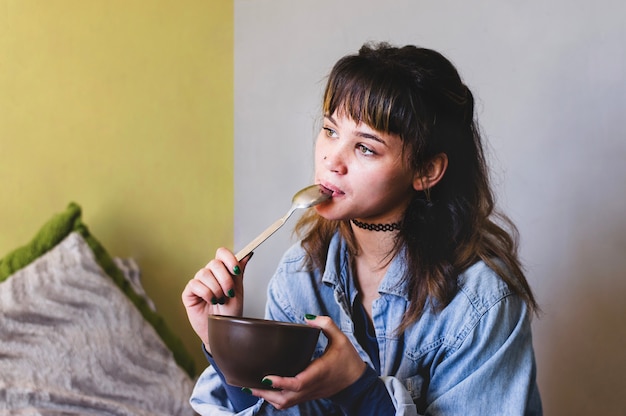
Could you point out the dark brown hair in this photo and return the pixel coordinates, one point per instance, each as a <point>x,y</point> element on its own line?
<point>418,94</point>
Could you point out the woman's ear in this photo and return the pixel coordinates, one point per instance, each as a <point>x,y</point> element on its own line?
<point>432,173</point>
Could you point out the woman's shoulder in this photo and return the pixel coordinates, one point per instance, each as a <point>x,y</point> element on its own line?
<point>295,270</point>
<point>292,268</point>
<point>295,259</point>
<point>483,287</point>
<point>483,303</point>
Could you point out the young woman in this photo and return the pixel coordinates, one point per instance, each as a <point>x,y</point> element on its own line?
<point>409,272</point>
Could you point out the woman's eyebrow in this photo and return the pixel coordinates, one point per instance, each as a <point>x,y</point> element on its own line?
<point>331,119</point>
<point>370,136</point>
<point>359,133</point>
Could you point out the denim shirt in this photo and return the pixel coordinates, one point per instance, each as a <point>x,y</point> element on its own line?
<point>475,357</point>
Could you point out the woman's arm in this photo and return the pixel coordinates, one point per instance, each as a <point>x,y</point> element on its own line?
<point>209,397</point>
<point>366,396</point>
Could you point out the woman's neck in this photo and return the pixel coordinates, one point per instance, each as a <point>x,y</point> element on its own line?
<point>371,263</point>
<point>375,247</point>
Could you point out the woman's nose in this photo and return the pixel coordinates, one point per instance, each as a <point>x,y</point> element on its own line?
<point>335,162</point>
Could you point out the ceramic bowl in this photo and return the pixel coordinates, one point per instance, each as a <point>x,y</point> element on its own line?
<point>248,349</point>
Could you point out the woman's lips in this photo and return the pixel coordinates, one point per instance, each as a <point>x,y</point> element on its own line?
<point>332,189</point>
<point>325,190</point>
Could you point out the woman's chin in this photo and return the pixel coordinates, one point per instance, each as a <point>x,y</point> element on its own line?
<point>327,212</point>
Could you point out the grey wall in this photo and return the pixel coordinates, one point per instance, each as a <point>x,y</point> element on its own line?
<point>550,82</point>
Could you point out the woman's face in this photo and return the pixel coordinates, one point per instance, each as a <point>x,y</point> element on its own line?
<point>365,170</point>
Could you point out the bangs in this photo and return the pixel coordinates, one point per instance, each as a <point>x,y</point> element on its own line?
<point>378,98</point>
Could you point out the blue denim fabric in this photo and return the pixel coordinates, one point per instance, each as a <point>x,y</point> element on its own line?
<point>475,357</point>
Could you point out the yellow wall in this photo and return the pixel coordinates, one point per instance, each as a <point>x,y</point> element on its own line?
<point>125,107</point>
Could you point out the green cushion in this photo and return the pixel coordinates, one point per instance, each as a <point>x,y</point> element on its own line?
<point>59,227</point>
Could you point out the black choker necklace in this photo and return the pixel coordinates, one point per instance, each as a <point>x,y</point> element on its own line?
<point>377,227</point>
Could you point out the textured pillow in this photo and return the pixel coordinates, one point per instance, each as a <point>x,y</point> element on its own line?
<point>75,338</point>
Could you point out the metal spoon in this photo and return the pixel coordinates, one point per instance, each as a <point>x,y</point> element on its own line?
<point>304,198</point>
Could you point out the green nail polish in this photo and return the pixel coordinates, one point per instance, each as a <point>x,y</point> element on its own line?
<point>266,382</point>
<point>236,270</point>
<point>246,390</point>
<point>309,317</point>
<point>221,300</point>
<point>231,293</point>
<point>214,300</point>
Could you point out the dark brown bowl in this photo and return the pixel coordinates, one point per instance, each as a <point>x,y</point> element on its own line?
<point>248,349</point>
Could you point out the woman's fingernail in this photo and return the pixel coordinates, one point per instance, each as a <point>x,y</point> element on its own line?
<point>246,390</point>
<point>221,300</point>
<point>266,382</point>
<point>214,300</point>
<point>231,293</point>
<point>309,317</point>
<point>236,270</point>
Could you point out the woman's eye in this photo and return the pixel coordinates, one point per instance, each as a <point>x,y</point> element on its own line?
<point>330,132</point>
<point>365,150</point>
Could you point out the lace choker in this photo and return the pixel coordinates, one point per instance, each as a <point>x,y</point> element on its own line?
<point>377,227</point>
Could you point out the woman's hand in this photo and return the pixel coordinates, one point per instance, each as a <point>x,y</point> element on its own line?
<point>217,288</point>
<point>336,369</point>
